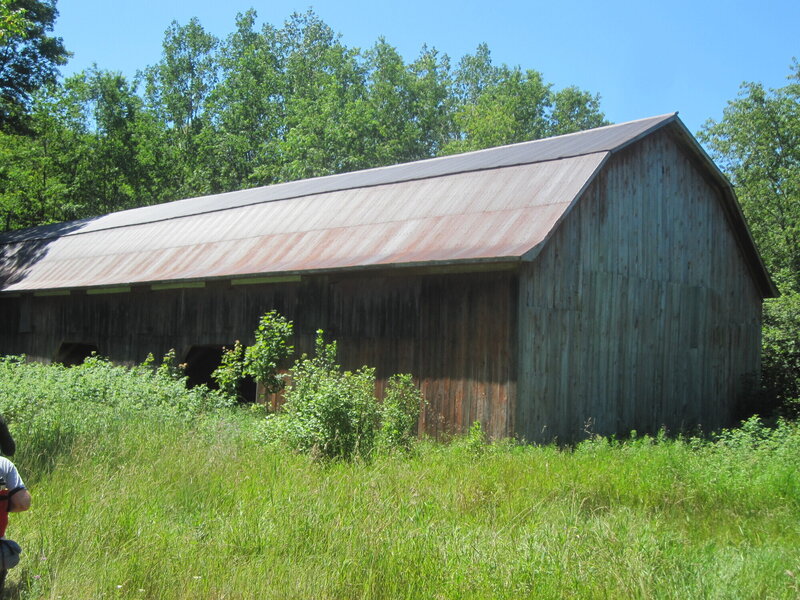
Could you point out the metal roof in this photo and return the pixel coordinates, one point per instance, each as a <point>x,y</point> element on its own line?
<point>498,204</point>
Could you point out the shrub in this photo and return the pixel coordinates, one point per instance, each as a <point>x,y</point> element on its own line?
<point>399,412</point>
<point>780,356</point>
<point>271,346</point>
<point>51,404</point>
<point>328,412</point>
<point>331,413</point>
<point>260,360</point>
<point>230,370</point>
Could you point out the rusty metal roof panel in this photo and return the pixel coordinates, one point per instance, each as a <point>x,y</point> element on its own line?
<point>488,214</point>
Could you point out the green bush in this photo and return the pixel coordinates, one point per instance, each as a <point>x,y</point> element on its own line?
<point>328,412</point>
<point>271,346</point>
<point>399,412</point>
<point>230,370</point>
<point>780,356</point>
<point>51,404</point>
<point>331,413</point>
<point>261,360</point>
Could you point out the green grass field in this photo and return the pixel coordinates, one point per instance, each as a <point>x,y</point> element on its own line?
<point>151,504</point>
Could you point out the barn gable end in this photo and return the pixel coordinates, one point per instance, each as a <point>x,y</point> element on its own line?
<point>641,311</point>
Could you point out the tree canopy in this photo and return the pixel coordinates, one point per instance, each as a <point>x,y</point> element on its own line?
<point>757,143</point>
<point>29,56</point>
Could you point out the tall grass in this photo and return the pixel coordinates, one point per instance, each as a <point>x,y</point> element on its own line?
<point>177,507</point>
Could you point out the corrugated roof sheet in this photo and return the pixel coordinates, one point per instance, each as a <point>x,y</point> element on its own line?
<point>466,216</point>
<point>497,204</point>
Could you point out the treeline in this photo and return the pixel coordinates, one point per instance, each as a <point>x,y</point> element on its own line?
<point>264,105</point>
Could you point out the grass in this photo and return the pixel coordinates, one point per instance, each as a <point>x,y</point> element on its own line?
<point>142,490</point>
<point>181,510</point>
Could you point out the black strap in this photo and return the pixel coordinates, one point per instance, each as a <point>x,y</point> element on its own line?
<point>7,500</point>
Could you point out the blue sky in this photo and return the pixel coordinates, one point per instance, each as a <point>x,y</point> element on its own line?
<point>643,58</point>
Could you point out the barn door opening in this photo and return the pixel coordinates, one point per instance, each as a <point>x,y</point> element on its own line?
<point>74,353</point>
<point>201,361</point>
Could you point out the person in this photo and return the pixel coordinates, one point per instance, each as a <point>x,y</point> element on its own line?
<point>19,498</point>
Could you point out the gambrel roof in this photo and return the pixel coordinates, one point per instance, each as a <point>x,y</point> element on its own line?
<point>498,205</point>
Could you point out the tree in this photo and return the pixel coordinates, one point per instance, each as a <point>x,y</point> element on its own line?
<point>177,91</point>
<point>38,169</point>
<point>110,111</point>
<point>12,21</point>
<point>325,108</point>
<point>574,110</point>
<point>504,105</point>
<point>407,105</point>
<point>29,57</point>
<point>757,144</point>
<point>271,346</point>
<point>247,106</point>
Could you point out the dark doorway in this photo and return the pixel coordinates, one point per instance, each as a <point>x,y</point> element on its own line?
<point>201,361</point>
<point>72,353</point>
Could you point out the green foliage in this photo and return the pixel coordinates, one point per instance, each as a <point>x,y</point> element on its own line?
<point>35,173</point>
<point>51,404</point>
<point>177,91</point>
<point>328,412</point>
<point>230,370</point>
<point>271,346</point>
<point>399,413</point>
<point>757,143</point>
<point>29,57</point>
<point>12,21</point>
<point>688,517</point>
<point>334,414</point>
<point>475,440</point>
<point>247,106</point>
<point>504,105</point>
<point>261,360</point>
<point>649,517</point>
<point>169,367</point>
<point>780,356</point>
<point>91,147</point>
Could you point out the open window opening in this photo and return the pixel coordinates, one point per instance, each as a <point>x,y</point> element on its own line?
<point>201,361</point>
<point>74,353</point>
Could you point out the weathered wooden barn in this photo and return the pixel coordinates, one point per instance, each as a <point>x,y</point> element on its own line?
<point>603,280</point>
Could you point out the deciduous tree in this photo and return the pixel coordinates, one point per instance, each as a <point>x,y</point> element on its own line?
<point>177,90</point>
<point>757,143</point>
<point>498,105</point>
<point>29,56</point>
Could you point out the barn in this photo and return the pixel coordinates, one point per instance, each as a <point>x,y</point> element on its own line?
<point>602,281</point>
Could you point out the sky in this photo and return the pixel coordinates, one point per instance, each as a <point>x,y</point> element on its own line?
<point>644,57</point>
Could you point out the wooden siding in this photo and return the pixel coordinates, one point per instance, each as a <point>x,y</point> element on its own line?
<point>640,312</point>
<point>453,332</point>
